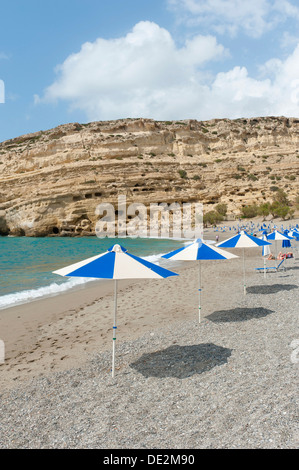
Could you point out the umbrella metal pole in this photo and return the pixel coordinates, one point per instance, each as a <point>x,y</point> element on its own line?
<point>199,291</point>
<point>114,327</point>
<point>244,282</point>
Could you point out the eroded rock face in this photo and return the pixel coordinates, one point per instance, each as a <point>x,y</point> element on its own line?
<point>51,182</point>
<point>4,230</point>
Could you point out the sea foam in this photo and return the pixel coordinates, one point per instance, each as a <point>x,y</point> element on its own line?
<point>17,298</point>
<point>25,296</point>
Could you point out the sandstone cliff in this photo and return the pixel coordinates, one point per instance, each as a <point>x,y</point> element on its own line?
<point>52,181</point>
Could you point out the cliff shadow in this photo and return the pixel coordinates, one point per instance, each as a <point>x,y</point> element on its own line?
<point>238,314</point>
<point>181,361</point>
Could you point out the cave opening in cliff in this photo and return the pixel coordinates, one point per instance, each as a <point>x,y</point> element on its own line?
<point>55,230</point>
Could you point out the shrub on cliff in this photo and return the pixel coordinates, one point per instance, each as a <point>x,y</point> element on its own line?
<point>252,177</point>
<point>221,209</point>
<point>281,206</point>
<point>183,173</point>
<point>248,212</point>
<point>279,209</point>
<point>212,218</point>
<point>264,209</point>
<point>281,197</point>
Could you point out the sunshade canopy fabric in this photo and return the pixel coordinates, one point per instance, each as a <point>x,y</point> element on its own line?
<point>198,250</point>
<point>116,263</point>
<point>294,234</point>
<point>276,235</point>
<point>242,240</point>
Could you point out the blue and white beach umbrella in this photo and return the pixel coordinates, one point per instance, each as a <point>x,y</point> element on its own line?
<point>293,234</point>
<point>243,240</point>
<point>196,251</point>
<point>277,236</point>
<point>116,263</point>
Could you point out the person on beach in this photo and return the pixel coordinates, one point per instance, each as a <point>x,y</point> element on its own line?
<point>217,238</point>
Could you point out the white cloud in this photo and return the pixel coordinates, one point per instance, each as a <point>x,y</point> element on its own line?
<point>288,40</point>
<point>277,94</point>
<point>254,17</point>
<point>131,75</point>
<point>144,74</point>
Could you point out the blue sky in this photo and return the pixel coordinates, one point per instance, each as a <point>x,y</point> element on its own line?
<point>78,61</point>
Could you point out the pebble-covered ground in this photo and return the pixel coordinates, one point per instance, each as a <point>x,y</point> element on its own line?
<point>229,382</point>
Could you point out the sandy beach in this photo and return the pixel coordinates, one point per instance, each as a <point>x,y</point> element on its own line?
<point>228,382</point>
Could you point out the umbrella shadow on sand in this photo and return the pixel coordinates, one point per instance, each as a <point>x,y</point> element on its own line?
<point>238,314</point>
<point>270,289</point>
<point>181,361</point>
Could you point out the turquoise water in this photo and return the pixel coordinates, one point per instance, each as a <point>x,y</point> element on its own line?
<point>26,264</point>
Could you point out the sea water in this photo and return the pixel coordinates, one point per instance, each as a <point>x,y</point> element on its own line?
<point>26,264</point>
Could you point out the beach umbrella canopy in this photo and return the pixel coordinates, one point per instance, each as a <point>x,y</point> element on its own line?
<point>294,234</point>
<point>196,251</point>
<point>277,236</point>
<point>116,263</point>
<point>243,240</point>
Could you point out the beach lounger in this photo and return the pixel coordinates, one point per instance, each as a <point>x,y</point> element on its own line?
<point>272,268</point>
